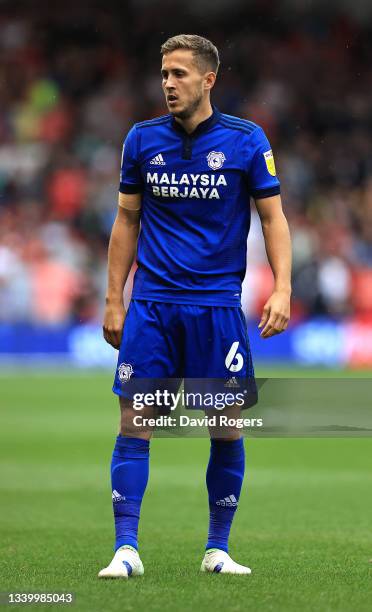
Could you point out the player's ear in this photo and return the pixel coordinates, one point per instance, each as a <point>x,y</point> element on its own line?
<point>209,80</point>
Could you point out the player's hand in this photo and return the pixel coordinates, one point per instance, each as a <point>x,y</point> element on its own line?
<point>275,314</point>
<point>113,323</point>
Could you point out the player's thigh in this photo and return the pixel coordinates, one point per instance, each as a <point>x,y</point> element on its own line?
<point>219,363</point>
<point>149,348</point>
<point>217,345</point>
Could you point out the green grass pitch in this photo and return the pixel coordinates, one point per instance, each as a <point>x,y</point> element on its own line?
<point>304,522</point>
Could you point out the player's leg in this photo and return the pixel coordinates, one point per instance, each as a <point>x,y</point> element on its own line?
<point>224,358</point>
<point>224,479</point>
<point>129,477</point>
<point>142,359</point>
<point>129,473</point>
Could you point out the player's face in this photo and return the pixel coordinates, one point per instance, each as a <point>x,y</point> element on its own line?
<point>183,83</point>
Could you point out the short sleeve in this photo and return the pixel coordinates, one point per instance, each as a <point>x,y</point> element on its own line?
<point>130,173</point>
<point>263,181</point>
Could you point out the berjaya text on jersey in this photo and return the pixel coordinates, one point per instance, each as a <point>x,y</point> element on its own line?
<point>187,186</point>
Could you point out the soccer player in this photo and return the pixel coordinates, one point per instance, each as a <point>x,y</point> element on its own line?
<point>186,181</point>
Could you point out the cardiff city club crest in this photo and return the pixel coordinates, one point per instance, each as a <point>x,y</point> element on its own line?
<point>125,371</point>
<point>215,159</point>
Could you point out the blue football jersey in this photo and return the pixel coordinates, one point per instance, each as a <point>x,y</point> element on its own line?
<point>195,212</point>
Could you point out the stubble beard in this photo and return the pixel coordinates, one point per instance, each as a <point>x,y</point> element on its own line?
<point>188,112</point>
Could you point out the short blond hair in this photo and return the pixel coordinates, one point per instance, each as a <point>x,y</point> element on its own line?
<point>204,51</point>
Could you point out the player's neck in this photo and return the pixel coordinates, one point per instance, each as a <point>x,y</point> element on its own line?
<point>191,123</point>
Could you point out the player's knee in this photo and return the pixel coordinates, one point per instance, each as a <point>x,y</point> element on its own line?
<point>226,425</point>
<point>225,434</point>
<point>135,423</point>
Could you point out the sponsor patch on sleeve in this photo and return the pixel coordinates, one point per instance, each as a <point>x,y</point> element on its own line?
<point>270,164</point>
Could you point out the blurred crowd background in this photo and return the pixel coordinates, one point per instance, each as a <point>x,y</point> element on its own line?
<point>73,79</point>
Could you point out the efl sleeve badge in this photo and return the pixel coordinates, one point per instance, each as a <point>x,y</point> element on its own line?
<point>270,164</point>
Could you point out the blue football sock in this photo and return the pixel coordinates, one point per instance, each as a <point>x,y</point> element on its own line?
<point>225,475</point>
<point>129,476</point>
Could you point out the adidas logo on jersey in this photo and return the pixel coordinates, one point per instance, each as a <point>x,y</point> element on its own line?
<point>116,497</point>
<point>158,160</point>
<point>230,502</point>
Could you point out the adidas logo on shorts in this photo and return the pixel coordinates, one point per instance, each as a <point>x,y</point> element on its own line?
<point>232,383</point>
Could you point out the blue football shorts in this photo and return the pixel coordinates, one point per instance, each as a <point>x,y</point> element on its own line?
<point>164,343</point>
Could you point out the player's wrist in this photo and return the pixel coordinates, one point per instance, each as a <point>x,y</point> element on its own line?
<point>114,300</point>
<point>286,289</point>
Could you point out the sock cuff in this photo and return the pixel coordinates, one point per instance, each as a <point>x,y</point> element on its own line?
<point>128,508</point>
<point>218,513</point>
<point>227,450</point>
<point>212,547</point>
<point>133,446</point>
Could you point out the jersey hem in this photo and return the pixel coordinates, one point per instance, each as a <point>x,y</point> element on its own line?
<point>196,300</point>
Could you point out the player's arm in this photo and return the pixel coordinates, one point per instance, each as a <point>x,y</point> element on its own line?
<point>123,240</point>
<point>121,253</point>
<point>276,312</point>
